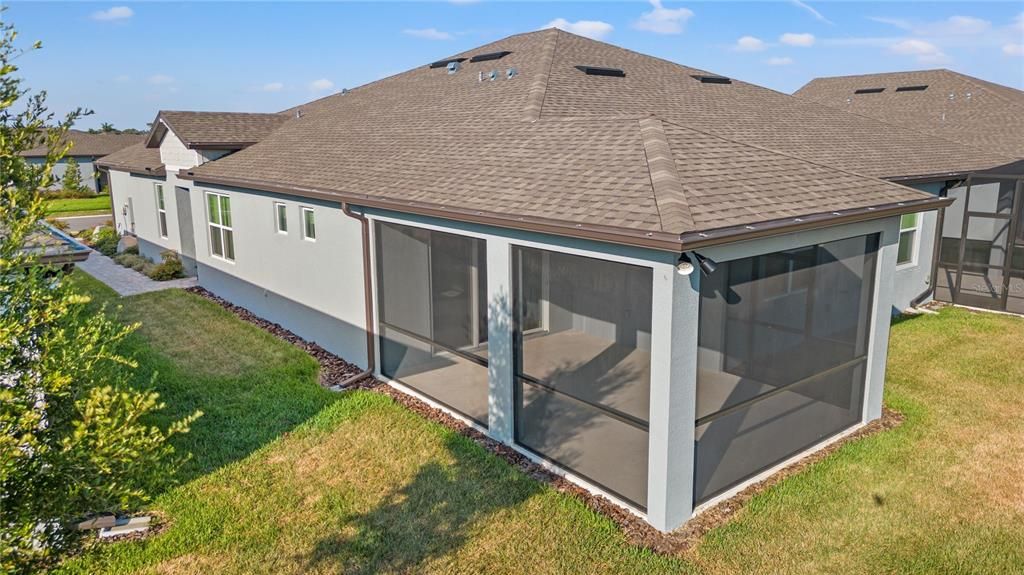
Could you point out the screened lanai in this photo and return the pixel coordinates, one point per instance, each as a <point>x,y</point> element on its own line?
<point>981,249</point>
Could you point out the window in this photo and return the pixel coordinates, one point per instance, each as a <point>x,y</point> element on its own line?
<point>782,358</point>
<point>161,211</point>
<point>281,217</point>
<point>582,365</point>
<point>308,224</point>
<point>432,304</point>
<point>222,239</point>
<point>907,253</point>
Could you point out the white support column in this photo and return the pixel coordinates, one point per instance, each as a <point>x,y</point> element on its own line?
<point>501,406</point>
<point>673,397</point>
<point>885,288</point>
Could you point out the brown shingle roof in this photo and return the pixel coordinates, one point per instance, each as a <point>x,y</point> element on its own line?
<point>136,158</point>
<point>212,129</point>
<point>556,145</point>
<point>954,106</point>
<point>86,144</point>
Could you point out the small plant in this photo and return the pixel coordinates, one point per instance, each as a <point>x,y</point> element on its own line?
<point>71,182</point>
<point>170,268</point>
<point>134,250</point>
<point>133,261</point>
<point>59,224</point>
<point>104,240</point>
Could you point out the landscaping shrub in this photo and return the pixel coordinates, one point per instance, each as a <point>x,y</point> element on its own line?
<point>62,194</point>
<point>104,240</point>
<point>131,250</point>
<point>170,268</point>
<point>133,261</point>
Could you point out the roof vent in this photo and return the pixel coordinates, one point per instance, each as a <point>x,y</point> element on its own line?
<point>344,91</point>
<point>921,88</point>
<point>511,73</point>
<point>869,91</point>
<point>712,79</point>
<point>490,56</point>
<point>444,63</point>
<point>599,71</point>
<point>453,67</point>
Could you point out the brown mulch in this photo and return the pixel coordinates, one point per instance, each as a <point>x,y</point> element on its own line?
<point>637,531</point>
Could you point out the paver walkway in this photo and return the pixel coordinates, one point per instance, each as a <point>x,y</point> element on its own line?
<point>126,281</point>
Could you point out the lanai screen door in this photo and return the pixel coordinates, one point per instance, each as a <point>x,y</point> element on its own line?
<point>981,256</point>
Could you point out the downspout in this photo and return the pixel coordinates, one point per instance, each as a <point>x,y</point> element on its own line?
<point>936,249</point>
<point>367,296</point>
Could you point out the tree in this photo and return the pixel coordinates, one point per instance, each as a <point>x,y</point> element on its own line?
<point>73,441</point>
<point>72,179</point>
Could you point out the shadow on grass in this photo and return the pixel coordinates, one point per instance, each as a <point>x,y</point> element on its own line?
<point>430,517</point>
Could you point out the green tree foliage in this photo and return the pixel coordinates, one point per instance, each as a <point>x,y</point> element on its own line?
<point>71,181</point>
<point>73,437</point>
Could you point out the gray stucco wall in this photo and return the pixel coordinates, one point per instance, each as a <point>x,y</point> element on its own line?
<point>85,167</point>
<point>313,288</point>
<point>911,280</point>
<point>141,191</point>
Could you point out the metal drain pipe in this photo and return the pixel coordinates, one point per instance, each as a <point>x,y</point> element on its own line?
<point>346,208</point>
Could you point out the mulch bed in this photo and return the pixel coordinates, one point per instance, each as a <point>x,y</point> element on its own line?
<point>637,531</point>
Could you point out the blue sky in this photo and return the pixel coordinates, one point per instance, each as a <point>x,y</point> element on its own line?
<point>126,61</point>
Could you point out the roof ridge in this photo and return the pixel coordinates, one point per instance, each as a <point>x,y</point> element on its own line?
<point>669,193</point>
<point>539,87</point>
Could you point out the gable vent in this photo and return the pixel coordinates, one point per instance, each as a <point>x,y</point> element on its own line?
<point>598,71</point>
<point>490,56</point>
<point>712,79</point>
<point>920,88</point>
<point>444,63</point>
<point>869,91</point>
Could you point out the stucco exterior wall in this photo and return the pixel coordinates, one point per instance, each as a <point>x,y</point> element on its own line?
<point>140,189</point>
<point>85,167</point>
<point>313,288</point>
<point>911,280</point>
<point>175,155</point>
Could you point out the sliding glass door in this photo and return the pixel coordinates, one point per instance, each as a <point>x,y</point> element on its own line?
<point>431,299</point>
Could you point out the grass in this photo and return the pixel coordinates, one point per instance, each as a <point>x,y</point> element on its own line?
<point>289,478</point>
<point>95,205</point>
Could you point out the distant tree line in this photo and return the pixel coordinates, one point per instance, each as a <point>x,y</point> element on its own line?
<point>108,128</point>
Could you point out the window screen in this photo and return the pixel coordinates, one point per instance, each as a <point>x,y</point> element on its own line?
<point>782,357</point>
<point>431,291</point>
<point>582,339</point>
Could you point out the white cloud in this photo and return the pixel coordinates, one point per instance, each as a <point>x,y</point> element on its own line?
<point>427,33</point>
<point>1012,49</point>
<point>794,39</point>
<point>749,44</point>
<point>160,79</point>
<point>924,51</point>
<point>952,26</point>
<point>779,61</point>
<point>114,13</point>
<point>590,28</point>
<point>663,20</point>
<point>272,87</point>
<point>817,15</point>
<point>321,85</point>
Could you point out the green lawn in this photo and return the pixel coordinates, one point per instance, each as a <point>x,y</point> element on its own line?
<point>78,206</point>
<point>290,478</point>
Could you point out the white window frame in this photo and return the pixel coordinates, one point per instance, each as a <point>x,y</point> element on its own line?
<point>221,228</point>
<point>916,229</point>
<point>161,209</point>
<point>303,210</point>
<point>278,206</point>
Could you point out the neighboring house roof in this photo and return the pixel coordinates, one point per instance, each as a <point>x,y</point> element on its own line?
<point>938,102</point>
<point>136,158</point>
<point>86,144</point>
<point>221,130</point>
<point>656,151</point>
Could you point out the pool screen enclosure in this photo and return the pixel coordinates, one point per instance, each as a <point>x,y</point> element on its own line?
<point>782,360</point>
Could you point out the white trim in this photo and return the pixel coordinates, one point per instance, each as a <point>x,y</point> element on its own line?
<point>277,218</point>
<point>303,210</point>
<point>732,491</point>
<point>916,248</point>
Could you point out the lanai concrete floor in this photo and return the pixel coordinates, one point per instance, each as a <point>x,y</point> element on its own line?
<point>126,281</point>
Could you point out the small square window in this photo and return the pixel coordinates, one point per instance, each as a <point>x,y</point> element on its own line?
<point>281,217</point>
<point>308,224</point>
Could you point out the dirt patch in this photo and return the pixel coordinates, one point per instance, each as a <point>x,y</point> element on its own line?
<point>637,531</point>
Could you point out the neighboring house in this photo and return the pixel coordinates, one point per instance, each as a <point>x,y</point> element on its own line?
<point>86,148</point>
<point>512,234</point>
<point>975,250</point>
<point>148,200</point>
